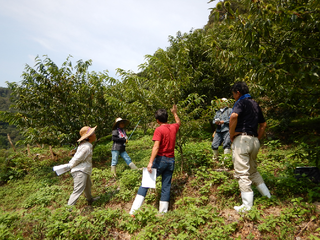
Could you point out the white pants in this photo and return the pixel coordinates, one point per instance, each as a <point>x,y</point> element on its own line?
<point>81,183</point>
<point>245,150</point>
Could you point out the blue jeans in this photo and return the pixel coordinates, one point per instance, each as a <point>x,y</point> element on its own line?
<point>165,167</point>
<point>220,137</point>
<point>115,157</point>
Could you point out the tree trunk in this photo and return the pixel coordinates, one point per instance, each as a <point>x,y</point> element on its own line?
<point>182,158</point>
<point>11,143</point>
<point>179,144</point>
<point>51,152</point>
<point>28,149</point>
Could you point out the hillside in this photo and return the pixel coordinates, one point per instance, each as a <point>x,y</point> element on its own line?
<point>201,205</point>
<point>5,128</point>
<point>271,45</point>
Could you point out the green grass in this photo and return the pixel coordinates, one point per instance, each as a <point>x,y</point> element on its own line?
<point>33,204</point>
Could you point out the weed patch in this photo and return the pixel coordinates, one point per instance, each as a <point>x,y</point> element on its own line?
<point>201,206</point>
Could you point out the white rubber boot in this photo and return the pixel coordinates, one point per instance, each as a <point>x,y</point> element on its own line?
<point>227,151</point>
<point>215,155</point>
<point>262,188</point>
<point>113,171</point>
<point>163,206</point>
<point>247,202</point>
<point>136,204</point>
<point>132,166</point>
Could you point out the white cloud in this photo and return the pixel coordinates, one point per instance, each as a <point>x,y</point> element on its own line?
<point>114,34</point>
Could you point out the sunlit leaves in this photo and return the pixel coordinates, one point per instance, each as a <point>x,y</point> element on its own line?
<point>280,50</point>
<point>54,103</point>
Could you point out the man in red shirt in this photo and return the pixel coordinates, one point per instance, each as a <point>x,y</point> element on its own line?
<point>162,158</point>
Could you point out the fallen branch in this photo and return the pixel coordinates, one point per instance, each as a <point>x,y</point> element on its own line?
<point>305,227</point>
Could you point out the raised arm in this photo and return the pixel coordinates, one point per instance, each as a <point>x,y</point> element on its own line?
<point>174,112</point>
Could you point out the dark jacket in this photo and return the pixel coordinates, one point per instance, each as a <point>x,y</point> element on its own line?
<point>249,116</point>
<point>118,142</point>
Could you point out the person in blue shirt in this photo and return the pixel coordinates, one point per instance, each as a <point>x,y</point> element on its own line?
<point>221,135</point>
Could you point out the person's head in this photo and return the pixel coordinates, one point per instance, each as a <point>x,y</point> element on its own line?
<point>161,115</point>
<point>239,89</point>
<point>120,123</point>
<point>87,133</point>
<point>222,103</point>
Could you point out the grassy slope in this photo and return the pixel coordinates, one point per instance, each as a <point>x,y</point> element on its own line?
<point>201,206</point>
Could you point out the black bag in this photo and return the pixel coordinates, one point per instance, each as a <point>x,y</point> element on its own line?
<point>313,173</point>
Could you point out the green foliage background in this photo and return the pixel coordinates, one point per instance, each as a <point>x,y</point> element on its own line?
<point>5,128</point>
<point>272,45</point>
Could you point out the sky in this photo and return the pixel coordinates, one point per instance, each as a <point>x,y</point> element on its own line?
<point>113,34</point>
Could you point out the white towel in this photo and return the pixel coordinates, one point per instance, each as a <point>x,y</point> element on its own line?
<point>60,169</point>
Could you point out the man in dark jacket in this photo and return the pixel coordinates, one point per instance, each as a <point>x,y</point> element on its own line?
<point>247,126</point>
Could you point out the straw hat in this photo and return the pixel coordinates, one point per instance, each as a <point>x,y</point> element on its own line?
<point>119,120</point>
<point>86,132</point>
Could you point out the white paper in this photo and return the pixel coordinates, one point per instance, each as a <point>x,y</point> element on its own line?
<point>149,179</point>
<point>60,169</point>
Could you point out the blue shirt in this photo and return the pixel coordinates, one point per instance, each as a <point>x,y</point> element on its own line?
<point>223,116</point>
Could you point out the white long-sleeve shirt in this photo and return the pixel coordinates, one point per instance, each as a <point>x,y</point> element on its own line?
<point>82,160</point>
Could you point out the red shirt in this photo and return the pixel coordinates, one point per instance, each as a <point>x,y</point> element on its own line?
<point>166,134</point>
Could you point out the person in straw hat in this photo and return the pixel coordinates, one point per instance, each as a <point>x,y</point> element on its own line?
<point>81,166</point>
<point>119,138</point>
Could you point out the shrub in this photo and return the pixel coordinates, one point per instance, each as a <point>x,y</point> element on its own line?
<point>43,196</point>
<point>8,219</point>
<point>14,167</point>
<point>129,183</point>
<point>6,233</point>
<point>229,188</point>
<point>99,175</point>
<point>57,224</point>
<point>102,152</point>
<point>6,224</point>
<point>196,154</point>
<point>130,179</point>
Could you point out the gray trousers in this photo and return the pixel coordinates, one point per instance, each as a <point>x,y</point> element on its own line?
<point>245,150</point>
<point>221,137</point>
<point>81,183</point>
